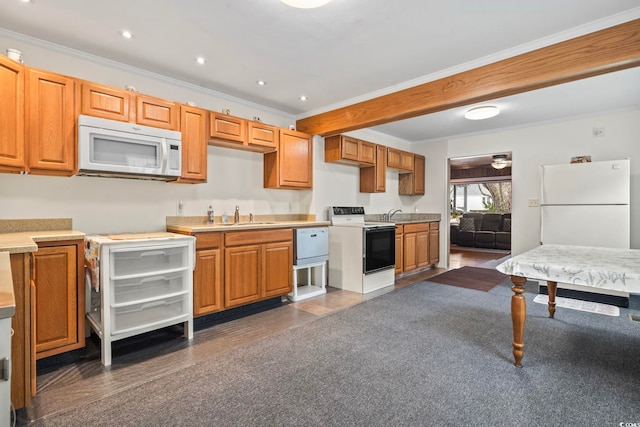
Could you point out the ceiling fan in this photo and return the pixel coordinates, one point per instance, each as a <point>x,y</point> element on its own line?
<point>500,161</point>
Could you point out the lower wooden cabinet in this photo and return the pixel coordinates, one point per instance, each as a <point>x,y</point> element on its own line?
<point>417,246</point>
<point>241,267</point>
<point>257,265</point>
<point>57,317</point>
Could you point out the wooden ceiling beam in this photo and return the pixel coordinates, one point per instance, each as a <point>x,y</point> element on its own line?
<point>611,49</point>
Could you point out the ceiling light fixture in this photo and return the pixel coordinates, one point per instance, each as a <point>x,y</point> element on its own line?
<point>305,4</point>
<point>126,34</point>
<point>200,60</point>
<point>261,82</point>
<point>481,113</point>
<point>303,98</point>
<point>500,161</point>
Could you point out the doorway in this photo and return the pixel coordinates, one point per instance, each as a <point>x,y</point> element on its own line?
<point>480,189</point>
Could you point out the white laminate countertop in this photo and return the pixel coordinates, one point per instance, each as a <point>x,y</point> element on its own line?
<point>208,228</point>
<point>27,241</point>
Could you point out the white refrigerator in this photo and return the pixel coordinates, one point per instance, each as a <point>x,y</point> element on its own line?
<point>586,204</point>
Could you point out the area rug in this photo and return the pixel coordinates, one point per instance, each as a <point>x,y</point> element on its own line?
<point>480,279</point>
<point>574,304</point>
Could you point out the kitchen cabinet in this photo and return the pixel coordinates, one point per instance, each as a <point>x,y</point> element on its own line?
<point>207,276</point>
<point>105,101</point>
<point>398,159</point>
<point>262,137</point>
<point>57,320</point>
<point>50,123</point>
<point>291,166</point>
<point>345,149</point>
<point>412,184</point>
<point>242,134</point>
<point>373,178</point>
<point>417,246</point>
<point>193,126</point>
<point>399,249</point>
<point>257,265</point>
<point>23,374</point>
<point>156,112</point>
<point>12,146</point>
<point>434,242</point>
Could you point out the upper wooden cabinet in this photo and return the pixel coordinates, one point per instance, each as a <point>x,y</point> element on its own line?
<point>235,132</point>
<point>291,167</point>
<point>345,149</point>
<point>412,184</point>
<point>105,101</point>
<point>50,123</point>
<point>373,178</point>
<point>193,126</point>
<point>12,148</point>
<point>126,106</point>
<point>156,112</point>
<point>398,159</point>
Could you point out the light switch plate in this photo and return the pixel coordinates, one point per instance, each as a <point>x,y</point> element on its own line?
<point>534,203</point>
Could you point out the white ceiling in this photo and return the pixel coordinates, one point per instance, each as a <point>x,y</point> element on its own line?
<point>346,51</point>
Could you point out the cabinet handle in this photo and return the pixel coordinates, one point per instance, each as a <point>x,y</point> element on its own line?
<point>153,279</point>
<point>152,253</point>
<point>152,304</point>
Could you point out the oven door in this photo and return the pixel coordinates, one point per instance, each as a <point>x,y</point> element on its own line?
<point>379,248</point>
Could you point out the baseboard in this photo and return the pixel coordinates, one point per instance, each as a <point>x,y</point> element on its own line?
<point>588,296</point>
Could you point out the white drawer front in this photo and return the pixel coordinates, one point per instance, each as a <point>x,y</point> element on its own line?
<point>144,315</point>
<point>141,288</point>
<point>141,261</point>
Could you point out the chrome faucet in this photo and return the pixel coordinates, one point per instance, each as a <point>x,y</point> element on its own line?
<point>236,215</point>
<point>391,213</point>
<point>250,218</point>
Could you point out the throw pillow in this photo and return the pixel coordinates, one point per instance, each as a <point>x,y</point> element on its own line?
<point>467,224</point>
<point>507,224</point>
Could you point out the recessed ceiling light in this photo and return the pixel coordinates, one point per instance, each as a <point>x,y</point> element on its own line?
<point>126,34</point>
<point>303,98</point>
<point>200,60</point>
<point>305,4</point>
<point>25,1</point>
<point>481,113</point>
<point>261,83</point>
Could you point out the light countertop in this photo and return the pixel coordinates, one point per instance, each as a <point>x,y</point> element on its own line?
<point>27,241</point>
<point>7,299</point>
<point>258,225</point>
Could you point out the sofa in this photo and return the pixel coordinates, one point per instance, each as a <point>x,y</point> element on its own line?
<point>483,230</point>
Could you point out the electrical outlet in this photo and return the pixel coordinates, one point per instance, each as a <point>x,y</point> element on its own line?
<point>180,208</point>
<point>534,203</point>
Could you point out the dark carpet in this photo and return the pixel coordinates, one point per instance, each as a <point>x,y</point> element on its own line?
<point>480,279</point>
<point>422,355</point>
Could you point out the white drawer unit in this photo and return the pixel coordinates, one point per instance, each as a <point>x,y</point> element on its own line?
<point>144,285</point>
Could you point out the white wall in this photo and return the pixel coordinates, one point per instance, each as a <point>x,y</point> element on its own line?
<point>532,146</point>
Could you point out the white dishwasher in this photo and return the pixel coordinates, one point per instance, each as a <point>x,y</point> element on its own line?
<point>138,283</point>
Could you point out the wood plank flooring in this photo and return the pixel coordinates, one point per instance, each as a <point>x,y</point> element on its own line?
<point>65,385</point>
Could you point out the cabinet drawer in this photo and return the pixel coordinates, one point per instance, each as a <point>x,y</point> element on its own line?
<point>147,260</point>
<point>208,240</point>
<point>414,228</point>
<point>139,289</point>
<point>147,314</point>
<point>434,225</point>
<point>237,238</point>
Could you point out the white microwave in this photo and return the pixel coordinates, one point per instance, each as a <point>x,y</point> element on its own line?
<point>112,148</point>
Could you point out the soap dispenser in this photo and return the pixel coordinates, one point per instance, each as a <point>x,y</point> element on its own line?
<point>210,215</point>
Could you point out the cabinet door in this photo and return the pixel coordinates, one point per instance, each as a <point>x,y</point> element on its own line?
<point>12,152</point>
<point>156,112</point>
<point>292,165</point>
<point>228,127</point>
<point>350,148</point>
<point>207,282</point>
<point>104,101</point>
<point>410,251</point>
<point>434,242</point>
<point>241,275</point>
<point>51,124</point>
<point>422,249</point>
<point>367,152</point>
<point>262,137</point>
<point>193,126</point>
<point>399,253</point>
<point>418,174</point>
<point>406,161</point>
<point>56,299</point>
<point>277,269</point>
